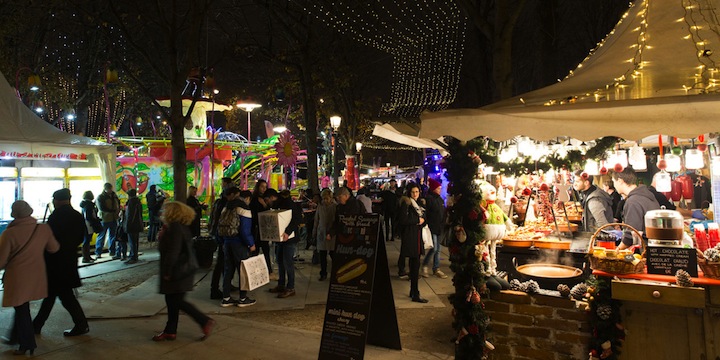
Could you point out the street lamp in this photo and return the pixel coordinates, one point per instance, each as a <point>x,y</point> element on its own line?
<point>248,107</point>
<point>335,124</point>
<point>358,147</point>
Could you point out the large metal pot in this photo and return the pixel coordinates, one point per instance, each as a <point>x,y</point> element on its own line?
<point>664,224</point>
<point>549,276</point>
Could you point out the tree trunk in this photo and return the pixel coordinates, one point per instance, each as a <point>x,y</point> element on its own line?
<point>310,116</point>
<point>178,146</point>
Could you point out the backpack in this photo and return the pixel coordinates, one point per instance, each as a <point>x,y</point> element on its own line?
<point>229,223</point>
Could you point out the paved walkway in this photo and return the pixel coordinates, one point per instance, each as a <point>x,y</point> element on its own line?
<point>121,325</point>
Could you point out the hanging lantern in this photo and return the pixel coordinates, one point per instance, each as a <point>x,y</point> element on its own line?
<point>637,158</point>
<point>620,157</point>
<point>663,182</point>
<point>591,167</point>
<point>694,159</point>
<point>525,146</point>
<point>111,76</point>
<point>674,164</point>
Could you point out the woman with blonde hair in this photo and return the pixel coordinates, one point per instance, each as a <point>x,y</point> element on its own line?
<point>324,217</point>
<point>177,269</point>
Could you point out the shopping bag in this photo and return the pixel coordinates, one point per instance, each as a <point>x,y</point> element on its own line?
<point>253,273</point>
<point>427,238</point>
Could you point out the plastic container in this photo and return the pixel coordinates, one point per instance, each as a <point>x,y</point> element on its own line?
<point>701,238</point>
<point>713,234</point>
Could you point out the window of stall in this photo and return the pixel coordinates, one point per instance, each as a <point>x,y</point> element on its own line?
<point>81,180</point>
<point>38,185</point>
<point>8,190</point>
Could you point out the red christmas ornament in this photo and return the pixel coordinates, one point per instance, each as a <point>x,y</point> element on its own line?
<point>526,191</point>
<point>618,168</point>
<point>513,200</point>
<point>662,164</point>
<point>603,170</point>
<point>702,147</point>
<point>585,175</point>
<point>544,187</point>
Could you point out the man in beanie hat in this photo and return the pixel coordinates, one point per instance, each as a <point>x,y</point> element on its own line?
<point>435,214</point>
<point>68,226</point>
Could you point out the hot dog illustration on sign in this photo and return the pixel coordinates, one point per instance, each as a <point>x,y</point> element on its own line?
<point>351,270</point>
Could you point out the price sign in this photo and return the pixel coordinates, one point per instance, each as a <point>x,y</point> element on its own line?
<point>668,260</point>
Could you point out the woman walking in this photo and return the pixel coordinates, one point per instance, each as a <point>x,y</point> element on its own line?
<point>92,222</point>
<point>411,219</point>
<point>22,254</point>
<point>177,269</point>
<point>324,217</point>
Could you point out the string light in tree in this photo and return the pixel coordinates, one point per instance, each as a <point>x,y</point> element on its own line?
<point>426,41</point>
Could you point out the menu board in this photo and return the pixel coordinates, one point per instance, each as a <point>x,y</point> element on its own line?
<point>668,260</point>
<point>360,269</point>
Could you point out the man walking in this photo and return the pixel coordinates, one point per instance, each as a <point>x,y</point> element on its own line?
<point>109,206</point>
<point>68,227</point>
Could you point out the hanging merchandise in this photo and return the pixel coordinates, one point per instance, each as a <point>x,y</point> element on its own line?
<point>688,186</point>
<point>591,167</point>
<point>663,181</point>
<point>676,190</point>
<point>694,159</point>
<point>674,164</point>
<point>637,158</point>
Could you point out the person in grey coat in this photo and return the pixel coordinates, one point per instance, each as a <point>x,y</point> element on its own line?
<point>22,246</point>
<point>324,217</point>
<point>175,250</point>
<point>596,203</point>
<point>638,201</point>
<point>133,225</point>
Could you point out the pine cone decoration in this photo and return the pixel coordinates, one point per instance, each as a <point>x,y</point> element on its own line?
<point>604,312</point>
<point>712,254</point>
<point>532,287</point>
<point>578,291</point>
<point>564,290</point>
<point>682,278</point>
<point>515,285</point>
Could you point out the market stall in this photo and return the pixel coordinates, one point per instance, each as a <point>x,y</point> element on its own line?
<point>37,158</point>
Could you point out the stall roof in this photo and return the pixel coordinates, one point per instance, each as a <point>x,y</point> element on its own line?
<point>406,134</point>
<point>23,135</point>
<point>655,73</point>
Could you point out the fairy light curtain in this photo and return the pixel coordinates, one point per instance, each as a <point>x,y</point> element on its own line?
<point>426,41</point>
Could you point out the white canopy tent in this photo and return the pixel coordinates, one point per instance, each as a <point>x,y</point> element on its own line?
<point>26,137</point>
<point>655,73</point>
<point>406,134</point>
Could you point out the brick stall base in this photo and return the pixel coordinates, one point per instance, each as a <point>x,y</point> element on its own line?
<point>537,327</point>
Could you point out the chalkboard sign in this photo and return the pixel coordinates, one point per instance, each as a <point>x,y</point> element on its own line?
<point>360,306</point>
<point>668,260</point>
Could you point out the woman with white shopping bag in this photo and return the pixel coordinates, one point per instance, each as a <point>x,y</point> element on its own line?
<point>238,242</point>
<point>411,219</point>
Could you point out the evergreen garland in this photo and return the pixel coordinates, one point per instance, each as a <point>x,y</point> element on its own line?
<point>608,332</point>
<point>465,216</point>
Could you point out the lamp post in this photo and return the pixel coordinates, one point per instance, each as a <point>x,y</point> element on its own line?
<point>358,147</point>
<point>335,124</point>
<point>248,107</point>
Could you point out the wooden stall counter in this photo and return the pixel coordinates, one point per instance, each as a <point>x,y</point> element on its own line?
<point>667,321</point>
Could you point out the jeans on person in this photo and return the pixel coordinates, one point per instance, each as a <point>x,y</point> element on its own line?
<point>108,233</point>
<point>153,228</point>
<point>286,265</point>
<point>175,303</point>
<point>435,253</point>
<point>133,245</point>
<point>235,252</point>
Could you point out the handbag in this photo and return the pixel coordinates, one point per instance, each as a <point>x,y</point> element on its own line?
<point>186,264</point>
<point>427,238</point>
<point>253,273</point>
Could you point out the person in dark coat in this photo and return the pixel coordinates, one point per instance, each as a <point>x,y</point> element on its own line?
<point>411,219</point>
<point>193,202</point>
<point>68,226</point>
<point>389,209</point>
<point>89,212</point>
<point>175,245</point>
<point>436,221</point>
<point>133,224</point>
<point>154,203</point>
<point>219,269</point>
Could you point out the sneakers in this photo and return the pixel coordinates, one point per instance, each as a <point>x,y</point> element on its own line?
<point>88,261</point>
<point>403,276</point>
<point>425,272</point>
<point>286,293</point>
<point>440,274</point>
<point>117,257</point>
<point>131,261</point>
<point>207,329</point>
<point>229,302</point>
<point>246,302</point>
